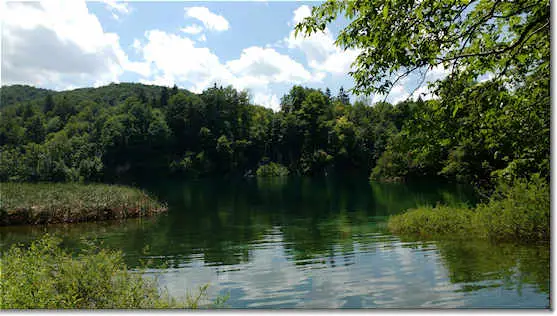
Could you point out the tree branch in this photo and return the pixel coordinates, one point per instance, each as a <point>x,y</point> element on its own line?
<point>405,74</point>
<point>523,37</point>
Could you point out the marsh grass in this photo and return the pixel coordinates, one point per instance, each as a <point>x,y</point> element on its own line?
<point>44,276</point>
<point>432,221</point>
<point>46,203</point>
<point>517,212</point>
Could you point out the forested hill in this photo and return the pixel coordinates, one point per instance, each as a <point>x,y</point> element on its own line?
<point>100,134</point>
<point>110,94</point>
<point>20,93</point>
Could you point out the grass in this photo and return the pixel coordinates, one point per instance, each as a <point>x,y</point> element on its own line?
<point>27,203</point>
<point>432,221</point>
<point>517,212</point>
<point>44,276</point>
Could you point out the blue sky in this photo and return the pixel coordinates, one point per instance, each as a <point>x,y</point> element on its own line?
<point>250,45</point>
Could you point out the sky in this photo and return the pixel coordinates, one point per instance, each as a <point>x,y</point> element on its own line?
<point>64,45</point>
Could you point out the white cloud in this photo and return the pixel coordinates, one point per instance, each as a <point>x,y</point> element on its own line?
<point>117,7</point>
<point>159,81</point>
<point>75,51</point>
<point>301,13</point>
<point>398,93</point>
<point>486,77</point>
<point>268,63</point>
<point>179,59</point>
<point>57,44</point>
<point>192,29</point>
<point>210,20</point>
<point>319,48</point>
<point>136,45</point>
<point>437,73</point>
<point>267,100</point>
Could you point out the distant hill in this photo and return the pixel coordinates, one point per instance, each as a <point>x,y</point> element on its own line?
<point>21,93</point>
<point>111,94</point>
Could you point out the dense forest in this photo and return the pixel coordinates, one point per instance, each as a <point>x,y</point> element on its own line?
<point>473,132</point>
<point>97,134</point>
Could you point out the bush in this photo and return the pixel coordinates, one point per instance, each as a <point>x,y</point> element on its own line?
<point>518,212</point>
<point>427,221</point>
<point>27,203</point>
<point>272,170</point>
<point>45,276</point>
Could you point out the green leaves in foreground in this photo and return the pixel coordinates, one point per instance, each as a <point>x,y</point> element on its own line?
<point>395,38</point>
<point>46,276</point>
<point>518,212</point>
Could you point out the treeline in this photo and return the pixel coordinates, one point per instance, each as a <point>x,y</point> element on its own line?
<point>97,134</point>
<point>473,132</point>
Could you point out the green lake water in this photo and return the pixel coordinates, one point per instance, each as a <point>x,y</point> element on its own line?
<point>313,243</point>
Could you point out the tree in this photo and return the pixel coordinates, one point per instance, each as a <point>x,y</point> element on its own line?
<point>174,90</point>
<point>164,97</point>
<point>48,103</point>
<point>34,129</point>
<point>328,94</point>
<point>343,96</point>
<point>398,37</point>
<point>292,101</point>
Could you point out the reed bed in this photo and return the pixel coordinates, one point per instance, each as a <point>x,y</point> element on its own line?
<point>48,203</point>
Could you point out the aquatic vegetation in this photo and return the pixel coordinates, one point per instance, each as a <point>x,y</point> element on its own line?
<point>46,276</point>
<point>272,169</point>
<point>518,211</point>
<point>26,203</point>
<point>432,221</point>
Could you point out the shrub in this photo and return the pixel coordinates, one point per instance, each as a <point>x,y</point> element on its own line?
<point>519,211</point>
<point>272,170</point>
<point>427,221</point>
<point>45,276</point>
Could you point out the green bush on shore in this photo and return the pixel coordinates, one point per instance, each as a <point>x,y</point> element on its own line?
<point>46,276</point>
<point>272,169</point>
<point>26,203</point>
<point>518,212</point>
<point>427,221</point>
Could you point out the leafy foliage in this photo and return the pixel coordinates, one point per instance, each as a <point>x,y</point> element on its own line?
<point>520,211</point>
<point>398,37</point>
<point>272,170</point>
<point>475,132</point>
<point>490,117</point>
<point>46,276</point>
<point>517,212</point>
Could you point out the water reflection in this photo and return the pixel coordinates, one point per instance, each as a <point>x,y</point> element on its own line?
<point>313,243</point>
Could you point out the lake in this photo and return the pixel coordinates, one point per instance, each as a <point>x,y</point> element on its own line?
<point>313,243</point>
